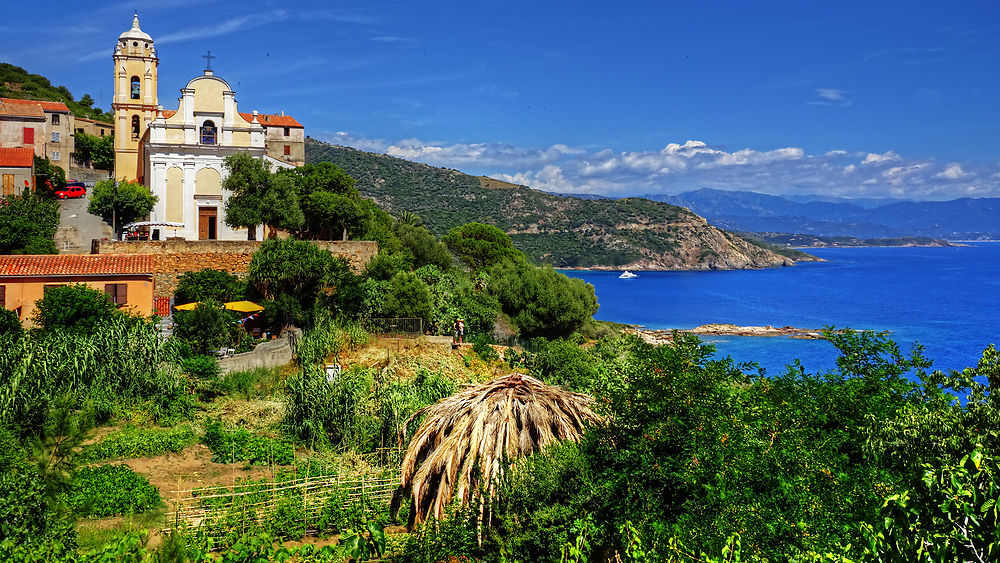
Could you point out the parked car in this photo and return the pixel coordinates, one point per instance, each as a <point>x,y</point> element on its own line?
<point>72,189</point>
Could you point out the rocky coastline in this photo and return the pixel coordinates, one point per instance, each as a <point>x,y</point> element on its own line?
<point>657,337</point>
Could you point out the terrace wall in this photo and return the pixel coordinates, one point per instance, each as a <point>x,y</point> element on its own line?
<point>175,257</point>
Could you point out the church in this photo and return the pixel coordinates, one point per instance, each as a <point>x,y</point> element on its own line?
<point>178,154</point>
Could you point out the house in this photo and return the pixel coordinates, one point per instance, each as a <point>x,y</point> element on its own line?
<point>128,279</point>
<point>52,137</point>
<point>17,170</point>
<point>92,127</point>
<point>284,137</point>
<point>22,126</point>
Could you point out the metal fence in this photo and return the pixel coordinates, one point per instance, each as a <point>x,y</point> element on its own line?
<point>398,326</point>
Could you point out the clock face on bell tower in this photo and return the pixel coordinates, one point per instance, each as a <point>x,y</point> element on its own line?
<point>135,102</point>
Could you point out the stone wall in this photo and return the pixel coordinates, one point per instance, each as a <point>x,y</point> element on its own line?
<point>175,257</point>
<point>270,354</point>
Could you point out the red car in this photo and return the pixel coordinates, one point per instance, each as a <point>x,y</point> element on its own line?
<point>72,190</point>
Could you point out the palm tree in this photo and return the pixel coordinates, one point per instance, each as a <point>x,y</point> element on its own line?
<point>468,439</point>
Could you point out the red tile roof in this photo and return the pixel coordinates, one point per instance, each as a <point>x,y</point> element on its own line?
<point>45,105</point>
<point>17,157</point>
<point>75,265</point>
<point>277,120</point>
<point>22,110</point>
<point>168,113</point>
<point>269,120</point>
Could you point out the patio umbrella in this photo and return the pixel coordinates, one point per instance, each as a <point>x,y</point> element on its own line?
<point>243,306</point>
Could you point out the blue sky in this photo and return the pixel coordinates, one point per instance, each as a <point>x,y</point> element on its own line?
<point>872,99</point>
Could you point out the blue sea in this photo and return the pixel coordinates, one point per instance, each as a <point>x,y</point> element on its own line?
<point>947,299</point>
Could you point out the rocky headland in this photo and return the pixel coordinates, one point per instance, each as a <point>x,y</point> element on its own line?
<point>725,329</point>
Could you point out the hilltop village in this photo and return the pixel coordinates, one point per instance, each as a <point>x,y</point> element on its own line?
<point>221,340</point>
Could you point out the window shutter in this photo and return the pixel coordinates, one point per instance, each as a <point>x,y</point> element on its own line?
<point>118,293</point>
<point>29,135</point>
<point>3,296</point>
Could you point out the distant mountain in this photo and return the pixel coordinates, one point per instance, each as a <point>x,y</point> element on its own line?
<point>755,212</point>
<point>568,232</point>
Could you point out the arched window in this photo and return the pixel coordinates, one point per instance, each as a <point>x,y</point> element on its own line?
<point>135,127</point>
<point>135,88</point>
<point>208,133</point>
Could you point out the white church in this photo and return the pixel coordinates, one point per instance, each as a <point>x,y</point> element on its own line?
<point>178,154</point>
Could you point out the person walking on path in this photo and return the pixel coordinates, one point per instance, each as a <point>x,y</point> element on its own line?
<point>459,330</point>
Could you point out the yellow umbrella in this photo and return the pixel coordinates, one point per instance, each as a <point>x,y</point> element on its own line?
<point>186,307</point>
<point>244,306</point>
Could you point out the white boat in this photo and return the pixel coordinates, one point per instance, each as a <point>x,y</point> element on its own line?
<point>627,275</point>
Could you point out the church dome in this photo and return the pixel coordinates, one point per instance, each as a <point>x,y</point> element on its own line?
<point>135,32</point>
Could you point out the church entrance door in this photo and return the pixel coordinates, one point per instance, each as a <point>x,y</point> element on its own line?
<point>207,223</point>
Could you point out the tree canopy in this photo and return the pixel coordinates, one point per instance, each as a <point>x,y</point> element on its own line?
<point>121,204</point>
<point>540,300</point>
<point>28,223</point>
<point>206,284</point>
<point>479,245</point>
<point>330,202</point>
<point>74,308</point>
<point>97,151</point>
<point>258,196</point>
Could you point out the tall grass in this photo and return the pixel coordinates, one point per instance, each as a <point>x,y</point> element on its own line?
<point>120,360</point>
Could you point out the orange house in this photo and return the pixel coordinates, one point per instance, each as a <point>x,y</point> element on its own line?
<point>127,278</point>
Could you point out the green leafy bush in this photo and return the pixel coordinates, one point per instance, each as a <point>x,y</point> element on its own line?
<point>74,308</point>
<point>208,327</point>
<point>209,284</point>
<point>202,367</point>
<point>481,346</point>
<point>134,441</point>
<point>111,490</point>
<point>231,446</point>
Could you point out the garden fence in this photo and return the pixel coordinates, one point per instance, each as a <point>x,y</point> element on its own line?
<point>250,505</point>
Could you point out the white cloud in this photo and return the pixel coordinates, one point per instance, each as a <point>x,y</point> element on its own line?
<point>830,97</point>
<point>875,158</point>
<point>693,164</point>
<point>953,172</point>
<point>832,94</point>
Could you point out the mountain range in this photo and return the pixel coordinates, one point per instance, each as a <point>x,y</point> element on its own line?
<point>567,232</point>
<point>965,218</point>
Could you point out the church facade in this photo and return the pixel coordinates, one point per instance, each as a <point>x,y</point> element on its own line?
<point>178,154</point>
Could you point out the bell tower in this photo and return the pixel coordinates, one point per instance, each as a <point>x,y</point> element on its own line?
<point>134,102</point>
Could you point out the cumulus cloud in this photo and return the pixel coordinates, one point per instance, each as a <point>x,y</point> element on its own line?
<point>693,164</point>
<point>875,158</point>
<point>953,172</point>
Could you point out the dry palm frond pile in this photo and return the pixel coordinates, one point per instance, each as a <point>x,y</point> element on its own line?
<point>468,439</point>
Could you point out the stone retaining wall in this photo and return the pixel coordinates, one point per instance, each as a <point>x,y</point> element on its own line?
<point>175,257</point>
<point>269,354</point>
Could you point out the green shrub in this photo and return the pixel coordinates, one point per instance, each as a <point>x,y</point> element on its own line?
<point>111,490</point>
<point>209,284</point>
<point>562,362</point>
<point>481,346</point>
<point>134,441</point>
<point>208,327</point>
<point>202,367</point>
<point>74,308</point>
<point>231,446</point>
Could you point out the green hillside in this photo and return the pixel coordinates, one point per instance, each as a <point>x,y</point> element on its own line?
<point>562,231</point>
<point>15,82</point>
